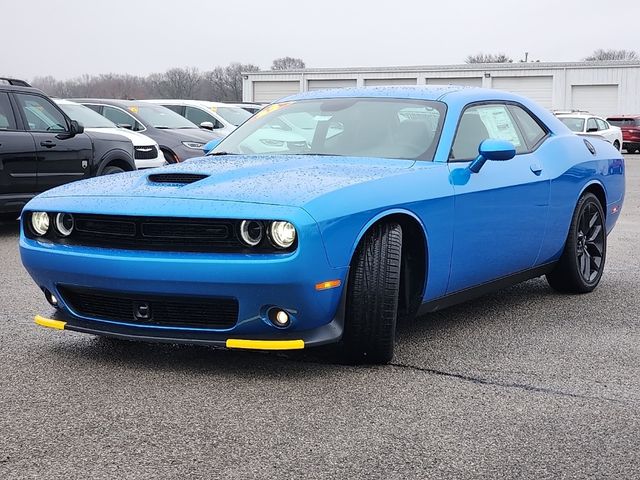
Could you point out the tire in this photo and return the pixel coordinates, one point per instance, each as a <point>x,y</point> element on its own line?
<point>582,262</point>
<point>616,144</point>
<point>111,170</point>
<point>372,296</point>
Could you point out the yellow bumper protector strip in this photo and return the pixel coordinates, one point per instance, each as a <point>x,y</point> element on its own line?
<point>49,323</point>
<point>265,344</point>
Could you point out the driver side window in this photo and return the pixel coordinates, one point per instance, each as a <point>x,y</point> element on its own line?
<point>481,122</point>
<point>41,114</point>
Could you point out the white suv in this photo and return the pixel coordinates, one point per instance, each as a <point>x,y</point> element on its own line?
<point>588,124</point>
<point>219,117</point>
<point>147,153</point>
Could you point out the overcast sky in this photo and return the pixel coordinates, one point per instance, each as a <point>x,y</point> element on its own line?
<point>72,37</point>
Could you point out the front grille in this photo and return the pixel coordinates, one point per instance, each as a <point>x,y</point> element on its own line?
<point>156,233</point>
<point>178,178</point>
<point>166,310</point>
<point>145,152</point>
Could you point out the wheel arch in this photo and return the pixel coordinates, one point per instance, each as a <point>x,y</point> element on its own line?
<point>599,191</point>
<point>116,158</point>
<point>415,256</point>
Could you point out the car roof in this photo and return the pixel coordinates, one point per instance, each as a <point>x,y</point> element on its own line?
<point>206,103</point>
<point>623,116</point>
<point>107,101</point>
<point>578,115</point>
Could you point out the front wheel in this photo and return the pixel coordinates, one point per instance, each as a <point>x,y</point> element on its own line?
<point>582,262</point>
<point>111,170</point>
<point>372,296</point>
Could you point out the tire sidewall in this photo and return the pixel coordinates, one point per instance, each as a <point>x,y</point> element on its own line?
<point>586,199</point>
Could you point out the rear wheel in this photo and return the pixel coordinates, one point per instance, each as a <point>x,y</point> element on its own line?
<point>372,296</point>
<point>582,262</point>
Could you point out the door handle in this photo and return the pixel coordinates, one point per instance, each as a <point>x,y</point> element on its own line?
<point>536,168</point>
<point>47,144</point>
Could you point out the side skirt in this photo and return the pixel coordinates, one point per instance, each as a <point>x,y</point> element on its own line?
<point>484,288</point>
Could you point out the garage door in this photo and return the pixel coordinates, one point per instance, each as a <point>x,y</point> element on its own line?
<point>270,91</point>
<point>599,99</point>
<point>322,84</point>
<point>380,82</point>
<point>464,81</point>
<point>539,89</point>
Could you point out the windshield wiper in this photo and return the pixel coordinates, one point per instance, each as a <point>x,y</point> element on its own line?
<point>162,127</point>
<point>220,153</point>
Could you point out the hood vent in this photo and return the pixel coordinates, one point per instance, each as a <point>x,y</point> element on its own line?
<point>176,178</point>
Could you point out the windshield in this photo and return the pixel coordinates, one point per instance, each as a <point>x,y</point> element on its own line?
<point>233,115</point>
<point>575,124</point>
<point>360,127</point>
<point>87,117</point>
<point>160,117</point>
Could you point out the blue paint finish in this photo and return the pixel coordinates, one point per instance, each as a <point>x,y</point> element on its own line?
<point>509,216</point>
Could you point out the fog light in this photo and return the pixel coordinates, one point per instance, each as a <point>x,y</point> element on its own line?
<point>40,223</point>
<point>279,318</point>
<point>51,298</point>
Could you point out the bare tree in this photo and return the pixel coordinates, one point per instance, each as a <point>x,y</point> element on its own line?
<point>600,55</point>
<point>488,58</point>
<point>288,63</point>
<point>225,83</point>
<point>222,83</point>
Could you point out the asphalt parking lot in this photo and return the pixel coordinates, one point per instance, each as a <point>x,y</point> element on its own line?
<point>524,383</point>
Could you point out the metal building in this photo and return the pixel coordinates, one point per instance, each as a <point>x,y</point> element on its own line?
<point>603,88</point>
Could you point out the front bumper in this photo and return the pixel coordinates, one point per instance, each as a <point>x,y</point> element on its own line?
<point>256,281</point>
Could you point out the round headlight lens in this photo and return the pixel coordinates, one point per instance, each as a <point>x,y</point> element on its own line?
<point>283,234</point>
<point>40,223</point>
<point>64,224</point>
<point>251,232</point>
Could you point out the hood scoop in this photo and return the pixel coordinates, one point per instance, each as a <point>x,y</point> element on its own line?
<point>176,178</point>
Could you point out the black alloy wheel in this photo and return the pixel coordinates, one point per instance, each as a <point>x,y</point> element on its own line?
<point>582,261</point>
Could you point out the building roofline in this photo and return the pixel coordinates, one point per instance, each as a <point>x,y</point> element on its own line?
<point>458,67</point>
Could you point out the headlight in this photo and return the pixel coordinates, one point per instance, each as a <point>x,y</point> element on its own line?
<point>40,223</point>
<point>64,224</point>
<point>194,145</point>
<point>282,234</point>
<point>251,232</point>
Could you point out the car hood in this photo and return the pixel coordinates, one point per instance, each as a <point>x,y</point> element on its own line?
<point>291,180</point>
<point>137,139</point>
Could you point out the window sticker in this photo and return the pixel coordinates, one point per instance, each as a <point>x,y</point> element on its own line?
<point>499,124</point>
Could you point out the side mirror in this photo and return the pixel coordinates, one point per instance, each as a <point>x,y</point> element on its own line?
<point>207,125</point>
<point>125,125</point>
<point>491,149</point>
<point>592,129</point>
<point>75,128</point>
<point>211,145</point>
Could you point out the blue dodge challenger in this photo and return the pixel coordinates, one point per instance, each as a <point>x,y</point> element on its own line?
<point>326,217</point>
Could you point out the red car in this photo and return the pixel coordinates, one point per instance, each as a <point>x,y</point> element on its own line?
<point>630,126</point>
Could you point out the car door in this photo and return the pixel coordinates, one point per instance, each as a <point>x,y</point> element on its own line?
<point>61,156</point>
<point>18,170</point>
<point>501,211</point>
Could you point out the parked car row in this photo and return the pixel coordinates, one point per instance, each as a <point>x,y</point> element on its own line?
<point>42,147</point>
<point>47,142</point>
<point>622,131</point>
<point>587,124</point>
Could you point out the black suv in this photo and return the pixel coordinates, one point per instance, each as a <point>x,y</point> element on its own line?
<point>41,147</point>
